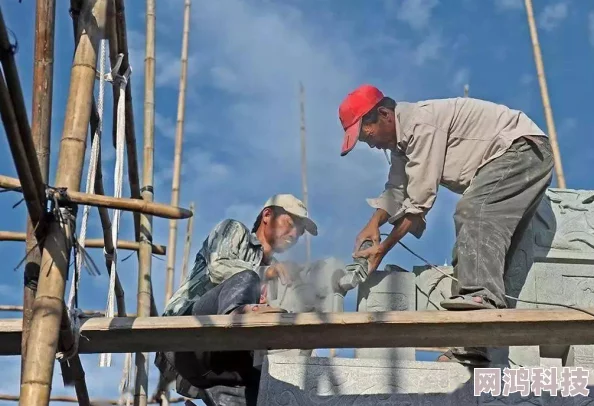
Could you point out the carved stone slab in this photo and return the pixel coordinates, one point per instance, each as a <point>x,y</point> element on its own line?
<point>304,381</point>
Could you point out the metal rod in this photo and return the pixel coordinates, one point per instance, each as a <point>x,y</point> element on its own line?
<point>304,166</point>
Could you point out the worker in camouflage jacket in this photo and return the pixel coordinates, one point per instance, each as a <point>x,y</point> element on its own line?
<point>229,277</point>
<point>497,158</point>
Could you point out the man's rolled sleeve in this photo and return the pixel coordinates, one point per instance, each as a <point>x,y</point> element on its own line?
<point>394,199</point>
<point>225,244</point>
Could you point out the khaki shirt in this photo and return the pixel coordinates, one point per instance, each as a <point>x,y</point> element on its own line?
<point>445,142</point>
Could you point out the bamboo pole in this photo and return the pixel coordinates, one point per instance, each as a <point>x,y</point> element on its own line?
<point>188,245</point>
<point>41,119</point>
<point>179,135</point>
<point>71,196</point>
<point>89,243</point>
<point>146,221</point>
<point>20,110</point>
<point>94,402</point>
<point>48,306</point>
<point>304,166</point>
<point>131,153</point>
<point>545,95</point>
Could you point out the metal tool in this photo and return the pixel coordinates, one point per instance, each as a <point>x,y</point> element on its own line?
<point>356,272</point>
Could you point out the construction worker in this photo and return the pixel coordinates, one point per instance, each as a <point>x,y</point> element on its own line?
<point>496,157</point>
<point>228,277</point>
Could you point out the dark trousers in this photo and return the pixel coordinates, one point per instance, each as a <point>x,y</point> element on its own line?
<point>225,378</point>
<point>493,214</point>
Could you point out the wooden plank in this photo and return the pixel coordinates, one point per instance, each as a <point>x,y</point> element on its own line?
<point>491,328</point>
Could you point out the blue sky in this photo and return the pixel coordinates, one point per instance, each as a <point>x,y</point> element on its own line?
<point>241,143</point>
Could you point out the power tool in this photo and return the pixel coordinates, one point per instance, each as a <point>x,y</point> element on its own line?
<point>354,273</point>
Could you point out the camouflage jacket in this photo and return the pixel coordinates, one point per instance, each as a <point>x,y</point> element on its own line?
<point>229,248</point>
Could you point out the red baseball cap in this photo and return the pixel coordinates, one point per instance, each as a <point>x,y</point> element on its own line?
<point>357,103</point>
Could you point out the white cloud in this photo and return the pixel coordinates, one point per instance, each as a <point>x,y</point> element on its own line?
<point>552,15</point>
<point>416,13</point>
<point>428,50</point>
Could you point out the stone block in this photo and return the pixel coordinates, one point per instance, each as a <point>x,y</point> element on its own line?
<point>392,290</point>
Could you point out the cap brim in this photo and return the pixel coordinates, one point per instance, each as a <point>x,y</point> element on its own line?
<point>309,225</point>
<point>351,136</point>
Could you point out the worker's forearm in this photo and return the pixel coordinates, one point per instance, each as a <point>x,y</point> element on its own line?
<point>400,229</point>
<point>379,218</point>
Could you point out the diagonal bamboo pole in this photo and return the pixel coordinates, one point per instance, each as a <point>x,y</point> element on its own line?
<point>41,121</point>
<point>48,306</point>
<point>179,135</point>
<point>188,245</point>
<point>16,94</point>
<point>545,95</point>
<point>146,221</point>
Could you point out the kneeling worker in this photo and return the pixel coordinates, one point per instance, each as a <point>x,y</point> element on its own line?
<point>228,276</point>
<point>496,157</point>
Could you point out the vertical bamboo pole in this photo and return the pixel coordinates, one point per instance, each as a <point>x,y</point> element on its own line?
<point>48,304</point>
<point>146,221</point>
<point>466,90</point>
<point>304,166</point>
<point>41,121</point>
<point>188,245</point>
<point>179,135</point>
<point>545,95</point>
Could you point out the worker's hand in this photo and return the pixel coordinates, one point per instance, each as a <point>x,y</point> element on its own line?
<point>369,232</point>
<point>263,294</point>
<point>280,271</point>
<point>374,254</point>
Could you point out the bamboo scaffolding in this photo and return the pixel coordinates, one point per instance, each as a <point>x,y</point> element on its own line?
<point>179,135</point>
<point>146,221</point>
<point>187,246</point>
<point>41,119</point>
<point>48,305</point>
<point>548,111</point>
<point>395,329</point>
<point>69,195</point>
<point>94,402</point>
<point>89,243</point>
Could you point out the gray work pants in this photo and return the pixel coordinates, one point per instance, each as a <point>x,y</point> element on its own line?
<point>493,214</point>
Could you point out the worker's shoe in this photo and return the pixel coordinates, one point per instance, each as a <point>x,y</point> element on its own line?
<point>257,309</point>
<point>467,302</point>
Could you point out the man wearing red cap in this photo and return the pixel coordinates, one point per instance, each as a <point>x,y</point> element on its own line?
<point>496,157</point>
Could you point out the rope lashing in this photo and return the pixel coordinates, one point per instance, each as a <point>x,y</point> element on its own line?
<point>121,81</point>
